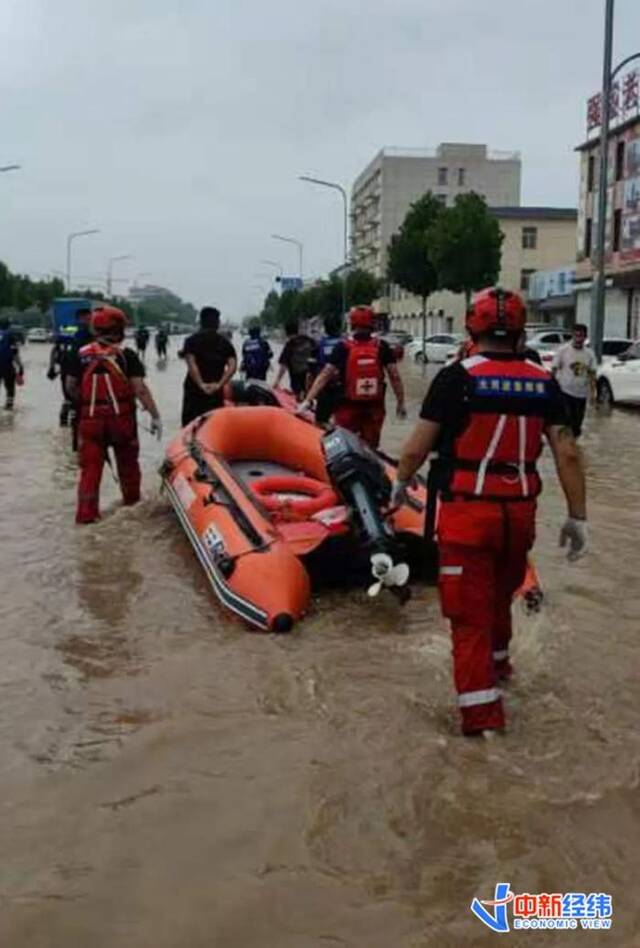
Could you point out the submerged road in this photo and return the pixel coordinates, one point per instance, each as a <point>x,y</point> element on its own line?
<point>170,780</point>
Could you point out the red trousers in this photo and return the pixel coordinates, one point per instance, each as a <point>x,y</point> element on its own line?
<point>365,419</point>
<point>483,561</point>
<point>96,435</point>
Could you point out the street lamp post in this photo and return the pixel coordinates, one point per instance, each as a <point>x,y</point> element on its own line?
<point>112,260</point>
<point>299,245</point>
<point>70,239</point>
<point>598,289</point>
<point>337,187</point>
<point>274,263</point>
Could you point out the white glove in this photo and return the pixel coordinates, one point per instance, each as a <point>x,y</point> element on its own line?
<point>303,407</point>
<point>574,532</point>
<point>156,427</point>
<point>399,493</point>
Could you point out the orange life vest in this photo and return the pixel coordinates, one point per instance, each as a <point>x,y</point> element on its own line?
<point>105,388</point>
<point>364,376</point>
<point>494,457</point>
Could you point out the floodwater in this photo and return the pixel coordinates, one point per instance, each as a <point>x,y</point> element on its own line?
<point>171,780</point>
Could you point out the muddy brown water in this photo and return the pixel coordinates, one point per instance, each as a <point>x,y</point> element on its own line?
<point>171,780</point>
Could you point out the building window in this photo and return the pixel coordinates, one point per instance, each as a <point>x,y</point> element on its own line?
<point>462,177</point>
<point>529,238</point>
<point>448,324</point>
<point>617,230</point>
<point>442,198</point>
<point>619,161</point>
<point>442,176</point>
<point>525,279</point>
<point>591,173</point>
<point>588,237</point>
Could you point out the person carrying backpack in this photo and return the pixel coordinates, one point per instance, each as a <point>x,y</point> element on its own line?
<point>296,358</point>
<point>360,363</point>
<point>11,368</point>
<point>256,355</point>
<point>105,381</point>
<point>328,399</point>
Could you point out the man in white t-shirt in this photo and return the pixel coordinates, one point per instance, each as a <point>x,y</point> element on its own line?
<point>574,366</point>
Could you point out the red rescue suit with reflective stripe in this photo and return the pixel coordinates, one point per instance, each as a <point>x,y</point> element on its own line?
<point>486,524</point>
<point>107,419</point>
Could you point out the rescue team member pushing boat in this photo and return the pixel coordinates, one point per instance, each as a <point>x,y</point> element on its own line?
<point>360,364</point>
<point>296,358</point>
<point>105,380</point>
<point>328,399</point>
<point>486,416</point>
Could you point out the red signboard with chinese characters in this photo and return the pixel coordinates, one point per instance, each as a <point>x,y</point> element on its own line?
<point>625,101</point>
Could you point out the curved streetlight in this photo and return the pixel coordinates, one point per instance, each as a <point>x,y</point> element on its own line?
<point>112,260</point>
<point>337,187</point>
<point>274,263</point>
<point>298,244</point>
<point>598,297</point>
<point>10,168</point>
<point>70,239</point>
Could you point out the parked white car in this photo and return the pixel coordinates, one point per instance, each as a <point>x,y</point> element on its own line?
<point>619,379</point>
<point>437,348</point>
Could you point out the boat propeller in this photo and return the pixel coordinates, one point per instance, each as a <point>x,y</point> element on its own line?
<point>387,574</point>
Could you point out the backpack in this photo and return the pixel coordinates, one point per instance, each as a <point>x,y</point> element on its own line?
<point>105,388</point>
<point>7,348</point>
<point>325,348</point>
<point>364,376</point>
<point>255,357</point>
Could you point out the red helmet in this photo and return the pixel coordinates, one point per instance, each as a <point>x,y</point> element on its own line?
<point>108,319</point>
<point>496,311</point>
<point>361,317</point>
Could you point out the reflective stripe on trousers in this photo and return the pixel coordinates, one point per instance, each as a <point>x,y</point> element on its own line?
<point>471,699</point>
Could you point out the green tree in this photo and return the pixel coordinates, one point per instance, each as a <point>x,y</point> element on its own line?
<point>270,315</point>
<point>465,245</point>
<point>409,258</point>
<point>362,287</point>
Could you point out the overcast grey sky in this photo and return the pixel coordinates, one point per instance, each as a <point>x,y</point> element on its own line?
<point>179,128</point>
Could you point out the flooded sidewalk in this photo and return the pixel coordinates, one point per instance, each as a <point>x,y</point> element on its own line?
<point>171,780</point>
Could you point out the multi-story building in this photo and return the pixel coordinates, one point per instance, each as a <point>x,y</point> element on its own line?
<point>384,191</point>
<point>622,235</point>
<point>535,238</point>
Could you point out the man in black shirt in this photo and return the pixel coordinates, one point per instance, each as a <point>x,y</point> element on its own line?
<point>297,357</point>
<point>211,363</point>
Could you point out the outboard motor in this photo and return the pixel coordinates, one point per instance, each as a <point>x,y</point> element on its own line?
<point>358,475</point>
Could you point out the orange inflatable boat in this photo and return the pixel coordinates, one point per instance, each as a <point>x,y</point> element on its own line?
<point>270,502</point>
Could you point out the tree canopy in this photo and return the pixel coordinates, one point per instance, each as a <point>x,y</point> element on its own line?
<point>20,292</point>
<point>465,246</point>
<point>322,299</point>
<point>409,260</point>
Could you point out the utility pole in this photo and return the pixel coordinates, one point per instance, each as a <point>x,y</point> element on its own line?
<point>598,293</point>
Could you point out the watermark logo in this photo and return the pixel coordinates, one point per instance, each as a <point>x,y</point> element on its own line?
<point>557,910</point>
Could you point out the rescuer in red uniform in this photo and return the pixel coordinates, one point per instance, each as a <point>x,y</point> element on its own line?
<point>105,381</point>
<point>359,364</point>
<point>487,416</point>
